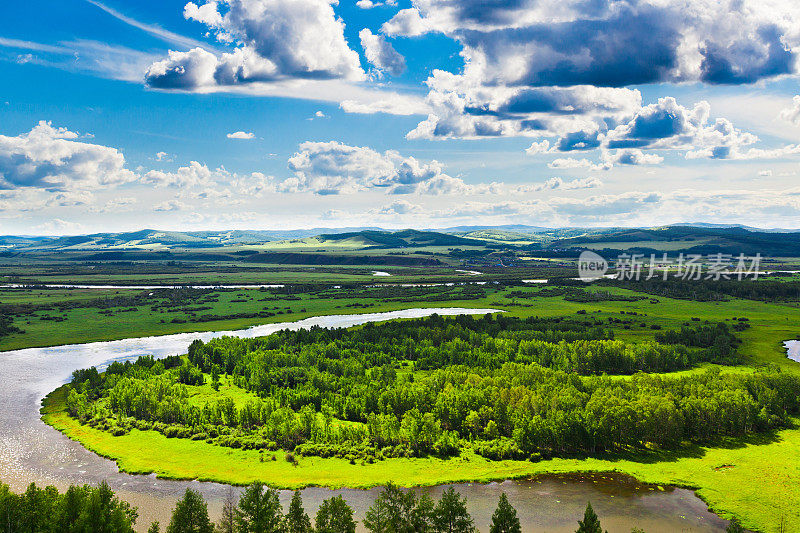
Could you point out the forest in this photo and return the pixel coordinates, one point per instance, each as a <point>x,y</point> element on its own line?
<point>505,387</point>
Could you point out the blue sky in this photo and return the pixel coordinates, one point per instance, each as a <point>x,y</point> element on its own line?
<point>300,113</point>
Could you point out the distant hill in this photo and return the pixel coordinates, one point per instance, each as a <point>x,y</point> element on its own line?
<point>742,226</point>
<point>689,239</point>
<point>154,239</point>
<point>705,238</point>
<point>515,228</point>
<point>403,239</point>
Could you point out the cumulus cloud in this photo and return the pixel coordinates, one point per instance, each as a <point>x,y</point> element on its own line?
<point>190,176</point>
<point>792,113</point>
<point>241,135</point>
<point>663,125</point>
<point>400,207</point>
<point>632,157</point>
<point>381,54</point>
<point>541,147</point>
<point>614,44</point>
<point>407,22</point>
<point>369,4</point>
<point>461,109</point>
<point>198,181</point>
<point>274,40</point>
<point>170,205</point>
<point>335,168</point>
<point>560,184</point>
<point>570,162</point>
<point>51,158</point>
<point>565,68</point>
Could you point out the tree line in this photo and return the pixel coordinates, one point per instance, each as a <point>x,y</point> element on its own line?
<point>86,509</point>
<point>506,388</point>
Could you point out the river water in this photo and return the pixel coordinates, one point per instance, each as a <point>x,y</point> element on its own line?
<point>792,350</point>
<point>33,451</point>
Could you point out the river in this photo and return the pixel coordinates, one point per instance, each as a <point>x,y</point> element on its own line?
<point>792,350</point>
<point>33,451</point>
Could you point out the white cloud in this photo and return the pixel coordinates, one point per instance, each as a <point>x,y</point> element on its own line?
<point>570,162</point>
<point>276,40</point>
<point>631,156</point>
<point>792,114</point>
<point>400,207</point>
<point>560,184</point>
<point>170,205</point>
<point>335,168</point>
<point>86,56</point>
<point>460,109</point>
<point>241,135</point>
<point>194,175</point>
<point>608,43</point>
<point>552,68</point>
<point>50,158</point>
<point>116,205</point>
<point>369,4</point>
<point>381,54</point>
<point>393,104</point>
<point>407,22</point>
<point>541,147</point>
<point>153,30</point>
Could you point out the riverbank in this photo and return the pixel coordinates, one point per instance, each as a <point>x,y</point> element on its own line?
<point>744,478</point>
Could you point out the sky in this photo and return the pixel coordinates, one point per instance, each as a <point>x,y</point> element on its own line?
<point>280,114</point>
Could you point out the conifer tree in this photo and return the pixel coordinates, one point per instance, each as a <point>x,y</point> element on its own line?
<point>504,519</point>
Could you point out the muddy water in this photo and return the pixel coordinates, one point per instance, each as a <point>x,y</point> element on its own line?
<point>33,451</point>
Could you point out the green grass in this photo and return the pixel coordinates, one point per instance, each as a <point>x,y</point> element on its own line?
<point>87,324</point>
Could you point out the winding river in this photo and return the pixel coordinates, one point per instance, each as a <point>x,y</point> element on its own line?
<point>33,451</point>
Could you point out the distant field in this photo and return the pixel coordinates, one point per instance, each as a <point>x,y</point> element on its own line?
<point>73,322</point>
<point>667,246</point>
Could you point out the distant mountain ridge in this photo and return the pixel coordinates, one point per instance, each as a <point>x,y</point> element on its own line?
<point>701,238</point>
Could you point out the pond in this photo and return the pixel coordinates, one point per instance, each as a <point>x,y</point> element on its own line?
<point>33,451</point>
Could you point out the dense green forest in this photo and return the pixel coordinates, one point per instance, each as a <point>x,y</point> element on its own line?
<point>506,387</point>
<point>771,289</point>
<point>80,509</point>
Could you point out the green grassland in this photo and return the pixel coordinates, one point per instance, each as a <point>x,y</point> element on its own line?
<point>90,324</point>
<point>753,478</point>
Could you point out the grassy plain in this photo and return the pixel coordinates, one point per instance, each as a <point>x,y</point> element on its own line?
<point>754,479</point>
<point>90,324</point>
